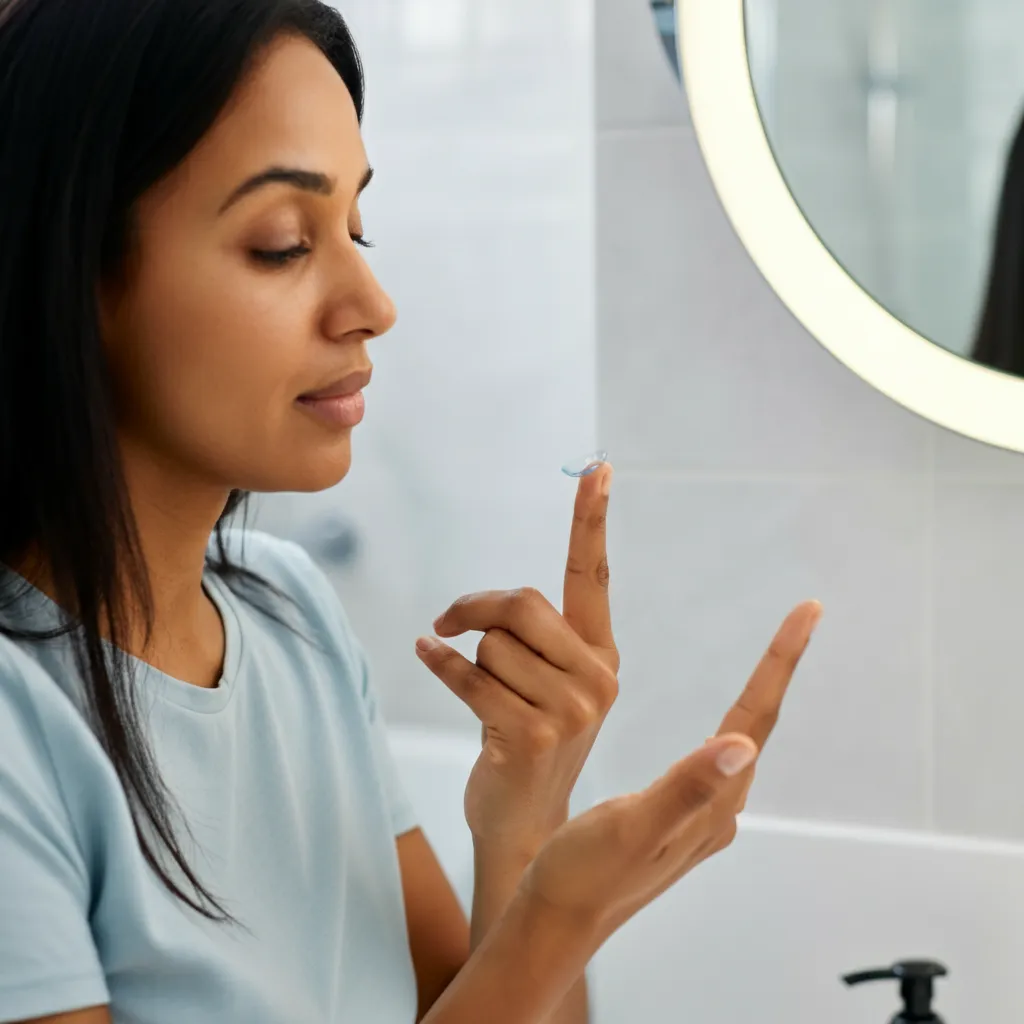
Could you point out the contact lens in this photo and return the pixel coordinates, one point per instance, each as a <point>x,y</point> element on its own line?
<point>586,465</point>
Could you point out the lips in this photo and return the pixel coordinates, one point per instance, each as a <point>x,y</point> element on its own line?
<point>347,385</point>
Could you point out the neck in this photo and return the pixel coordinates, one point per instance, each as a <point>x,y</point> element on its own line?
<point>174,519</point>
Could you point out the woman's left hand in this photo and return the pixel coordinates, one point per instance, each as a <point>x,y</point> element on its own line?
<point>542,685</point>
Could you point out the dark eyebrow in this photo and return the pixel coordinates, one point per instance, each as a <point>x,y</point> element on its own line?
<point>308,181</point>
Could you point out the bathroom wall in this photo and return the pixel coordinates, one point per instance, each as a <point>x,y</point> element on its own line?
<point>480,125</point>
<point>753,471</point>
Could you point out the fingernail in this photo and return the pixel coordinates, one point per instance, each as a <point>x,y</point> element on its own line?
<point>734,758</point>
<point>427,643</point>
<point>816,619</point>
<point>606,481</point>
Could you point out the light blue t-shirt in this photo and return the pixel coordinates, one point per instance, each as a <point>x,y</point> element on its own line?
<point>284,776</point>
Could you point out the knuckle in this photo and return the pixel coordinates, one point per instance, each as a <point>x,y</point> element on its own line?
<point>763,713</point>
<point>580,712</point>
<point>573,567</point>
<point>445,658</point>
<point>603,573</point>
<point>785,658</point>
<point>597,520</point>
<point>614,664</point>
<point>541,735</point>
<point>607,688</point>
<point>749,712</point>
<point>526,598</point>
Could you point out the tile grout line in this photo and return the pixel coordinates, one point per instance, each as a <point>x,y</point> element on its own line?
<point>927,474</point>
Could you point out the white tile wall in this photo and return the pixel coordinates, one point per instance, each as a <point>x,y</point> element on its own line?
<point>704,572</point>
<point>979,654</point>
<point>755,471</point>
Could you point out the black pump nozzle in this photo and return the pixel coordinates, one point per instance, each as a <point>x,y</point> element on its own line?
<point>917,983</point>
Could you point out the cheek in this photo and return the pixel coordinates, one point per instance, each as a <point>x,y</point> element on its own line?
<point>210,364</point>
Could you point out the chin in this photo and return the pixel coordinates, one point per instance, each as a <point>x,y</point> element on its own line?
<point>317,471</point>
<point>323,477</point>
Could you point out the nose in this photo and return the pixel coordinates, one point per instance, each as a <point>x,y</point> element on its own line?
<point>364,305</point>
<point>386,312</point>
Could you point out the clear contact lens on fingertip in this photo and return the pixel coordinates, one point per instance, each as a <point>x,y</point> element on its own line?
<point>585,464</point>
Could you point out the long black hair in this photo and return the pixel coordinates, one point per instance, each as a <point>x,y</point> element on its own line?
<point>999,343</point>
<point>99,100</point>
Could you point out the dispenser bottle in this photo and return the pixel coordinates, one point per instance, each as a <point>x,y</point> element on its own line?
<point>917,983</point>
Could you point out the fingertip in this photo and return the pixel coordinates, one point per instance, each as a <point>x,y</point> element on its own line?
<point>426,644</point>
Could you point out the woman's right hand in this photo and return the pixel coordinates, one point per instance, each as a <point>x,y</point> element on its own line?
<point>601,868</point>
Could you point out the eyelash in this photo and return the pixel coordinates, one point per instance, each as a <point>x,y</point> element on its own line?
<point>284,256</point>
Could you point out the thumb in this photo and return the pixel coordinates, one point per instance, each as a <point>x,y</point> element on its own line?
<point>692,784</point>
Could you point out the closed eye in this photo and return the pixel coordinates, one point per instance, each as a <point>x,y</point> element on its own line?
<point>281,257</point>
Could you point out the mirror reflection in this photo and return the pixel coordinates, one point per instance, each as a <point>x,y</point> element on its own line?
<point>897,126</point>
<point>665,22</point>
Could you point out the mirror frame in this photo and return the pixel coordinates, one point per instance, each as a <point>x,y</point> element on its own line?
<point>950,390</point>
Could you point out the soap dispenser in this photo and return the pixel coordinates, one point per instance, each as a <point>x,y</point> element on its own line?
<point>917,981</point>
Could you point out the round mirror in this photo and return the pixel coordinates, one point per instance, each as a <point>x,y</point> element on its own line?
<point>870,154</point>
<point>895,124</point>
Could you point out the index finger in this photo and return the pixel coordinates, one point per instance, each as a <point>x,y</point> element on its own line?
<point>757,710</point>
<point>585,604</point>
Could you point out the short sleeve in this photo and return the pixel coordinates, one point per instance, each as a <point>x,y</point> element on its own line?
<point>402,812</point>
<point>48,960</point>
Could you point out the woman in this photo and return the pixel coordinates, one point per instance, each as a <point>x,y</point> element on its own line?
<point>199,820</point>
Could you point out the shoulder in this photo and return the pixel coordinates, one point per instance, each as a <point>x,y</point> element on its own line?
<point>46,746</point>
<point>31,700</point>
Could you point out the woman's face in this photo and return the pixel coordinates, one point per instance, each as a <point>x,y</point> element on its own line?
<point>210,345</point>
